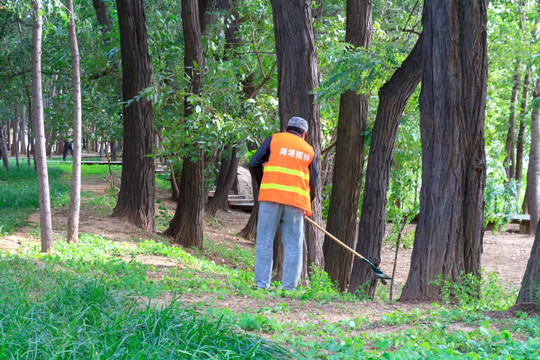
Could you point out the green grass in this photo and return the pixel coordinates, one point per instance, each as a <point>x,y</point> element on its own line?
<point>95,300</point>
<point>421,333</point>
<point>47,313</point>
<point>19,195</point>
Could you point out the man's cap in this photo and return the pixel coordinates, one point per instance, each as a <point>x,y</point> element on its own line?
<point>298,122</point>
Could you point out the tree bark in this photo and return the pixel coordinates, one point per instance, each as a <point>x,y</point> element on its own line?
<point>393,97</point>
<point>39,129</point>
<point>186,227</point>
<point>349,157</point>
<point>114,155</point>
<point>521,131</point>
<point>510,160</point>
<point>22,134</point>
<point>298,75</point>
<point>206,7</point>
<point>249,232</point>
<point>3,149</point>
<point>75,195</point>
<point>136,198</point>
<point>103,20</point>
<point>530,285</point>
<point>15,147</point>
<point>533,171</point>
<point>449,234</point>
<point>228,172</point>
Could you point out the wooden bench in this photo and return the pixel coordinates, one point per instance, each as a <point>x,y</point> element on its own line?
<point>524,222</point>
<point>89,162</point>
<point>237,201</point>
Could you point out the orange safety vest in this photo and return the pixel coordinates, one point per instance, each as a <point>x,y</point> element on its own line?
<point>286,174</point>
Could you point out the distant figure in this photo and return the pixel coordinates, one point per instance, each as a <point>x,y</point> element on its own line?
<point>67,146</point>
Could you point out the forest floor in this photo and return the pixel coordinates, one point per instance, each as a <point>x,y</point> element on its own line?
<point>506,253</point>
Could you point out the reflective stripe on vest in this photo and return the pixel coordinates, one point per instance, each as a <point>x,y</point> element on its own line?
<point>286,174</point>
<point>285,188</point>
<point>284,170</point>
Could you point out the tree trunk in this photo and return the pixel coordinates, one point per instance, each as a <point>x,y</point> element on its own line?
<point>114,155</point>
<point>186,227</point>
<point>226,177</point>
<point>8,136</point>
<point>227,174</point>
<point>530,285</point>
<point>103,20</point>
<point>521,131</point>
<point>449,234</point>
<point>30,143</point>
<point>15,148</point>
<point>533,171</point>
<point>510,160</point>
<point>3,149</point>
<point>249,232</point>
<point>393,97</point>
<point>349,158</point>
<point>22,134</point>
<point>136,198</point>
<point>206,8</point>
<point>298,76</point>
<point>75,195</point>
<point>39,129</point>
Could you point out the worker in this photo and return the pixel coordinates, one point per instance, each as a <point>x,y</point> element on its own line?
<point>287,176</point>
<point>67,146</point>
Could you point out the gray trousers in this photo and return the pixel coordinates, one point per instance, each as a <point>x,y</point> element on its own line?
<point>291,220</point>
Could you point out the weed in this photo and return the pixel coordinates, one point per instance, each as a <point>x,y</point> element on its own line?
<point>46,316</point>
<point>471,292</point>
<point>163,217</point>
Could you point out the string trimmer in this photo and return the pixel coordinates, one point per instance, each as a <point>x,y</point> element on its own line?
<point>378,272</point>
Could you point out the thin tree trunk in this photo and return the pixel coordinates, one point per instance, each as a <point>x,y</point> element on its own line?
<point>220,200</point>
<point>8,135</point>
<point>393,97</point>
<point>249,232</point>
<point>30,142</point>
<point>533,171</point>
<point>521,131</point>
<point>349,158</point>
<point>510,160</point>
<point>298,76</point>
<point>102,18</point>
<point>22,134</point>
<point>114,155</point>
<point>3,149</point>
<point>39,128</point>
<point>75,195</point>
<point>15,148</point>
<point>227,174</point>
<point>136,199</point>
<point>186,227</point>
<point>449,234</point>
<point>530,285</point>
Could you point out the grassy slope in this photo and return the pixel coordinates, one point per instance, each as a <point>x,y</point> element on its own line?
<point>99,299</point>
